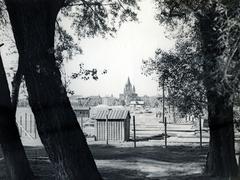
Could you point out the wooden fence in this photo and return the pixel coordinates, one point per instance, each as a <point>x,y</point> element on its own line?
<point>27,126</point>
<point>26,123</point>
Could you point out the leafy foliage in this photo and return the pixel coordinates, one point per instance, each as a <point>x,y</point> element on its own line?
<point>85,74</point>
<point>65,47</point>
<point>3,14</point>
<point>181,72</point>
<point>88,18</point>
<point>219,40</point>
<point>99,17</point>
<point>91,18</point>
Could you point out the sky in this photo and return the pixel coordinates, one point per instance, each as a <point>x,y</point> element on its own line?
<point>121,56</point>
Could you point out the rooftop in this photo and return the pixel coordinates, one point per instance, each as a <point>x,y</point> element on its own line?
<point>114,114</point>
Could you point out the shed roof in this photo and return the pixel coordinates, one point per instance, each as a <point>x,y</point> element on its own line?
<point>114,114</point>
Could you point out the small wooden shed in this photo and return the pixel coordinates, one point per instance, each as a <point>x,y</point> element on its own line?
<point>118,125</point>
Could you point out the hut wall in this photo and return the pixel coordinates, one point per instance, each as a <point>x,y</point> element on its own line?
<point>116,130</point>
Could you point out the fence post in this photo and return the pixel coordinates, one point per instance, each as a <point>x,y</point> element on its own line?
<point>165,128</point>
<point>200,131</point>
<point>163,102</point>
<point>134,132</point>
<point>107,129</point>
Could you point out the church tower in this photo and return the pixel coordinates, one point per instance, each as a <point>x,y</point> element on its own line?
<point>129,93</point>
<point>128,87</point>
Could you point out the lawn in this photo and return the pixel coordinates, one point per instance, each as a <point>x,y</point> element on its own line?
<point>183,159</point>
<point>127,163</point>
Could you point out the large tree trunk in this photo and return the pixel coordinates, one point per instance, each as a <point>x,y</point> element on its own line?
<point>221,159</point>
<point>33,24</point>
<point>14,155</point>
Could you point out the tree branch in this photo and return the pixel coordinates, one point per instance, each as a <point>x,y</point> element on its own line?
<point>231,56</point>
<point>88,4</point>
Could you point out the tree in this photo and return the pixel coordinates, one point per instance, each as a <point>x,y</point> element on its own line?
<point>33,24</point>
<point>215,25</point>
<point>10,141</point>
<point>83,74</point>
<point>181,71</point>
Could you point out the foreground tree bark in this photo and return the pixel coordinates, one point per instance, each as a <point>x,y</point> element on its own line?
<point>33,24</point>
<point>221,159</point>
<point>14,155</point>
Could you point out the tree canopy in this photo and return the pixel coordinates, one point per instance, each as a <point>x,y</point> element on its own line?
<point>225,25</point>
<point>181,72</point>
<point>85,19</point>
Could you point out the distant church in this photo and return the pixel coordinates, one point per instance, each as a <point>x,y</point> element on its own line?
<point>129,93</point>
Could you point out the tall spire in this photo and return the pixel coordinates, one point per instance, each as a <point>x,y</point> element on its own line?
<point>128,82</point>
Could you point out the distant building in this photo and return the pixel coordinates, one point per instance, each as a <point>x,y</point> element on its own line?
<point>129,93</point>
<point>80,101</point>
<point>109,101</point>
<point>74,99</point>
<point>137,105</point>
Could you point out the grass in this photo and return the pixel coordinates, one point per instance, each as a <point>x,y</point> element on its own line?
<point>127,163</point>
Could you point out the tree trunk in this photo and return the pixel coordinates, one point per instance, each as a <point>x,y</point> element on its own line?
<point>33,24</point>
<point>15,158</point>
<point>221,159</point>
<point>17,79</point>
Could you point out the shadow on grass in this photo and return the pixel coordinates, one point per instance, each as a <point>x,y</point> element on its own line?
<point>40,164</point>
<point>122,174</point>
<point>193,177</point>
<point>172,154</point>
